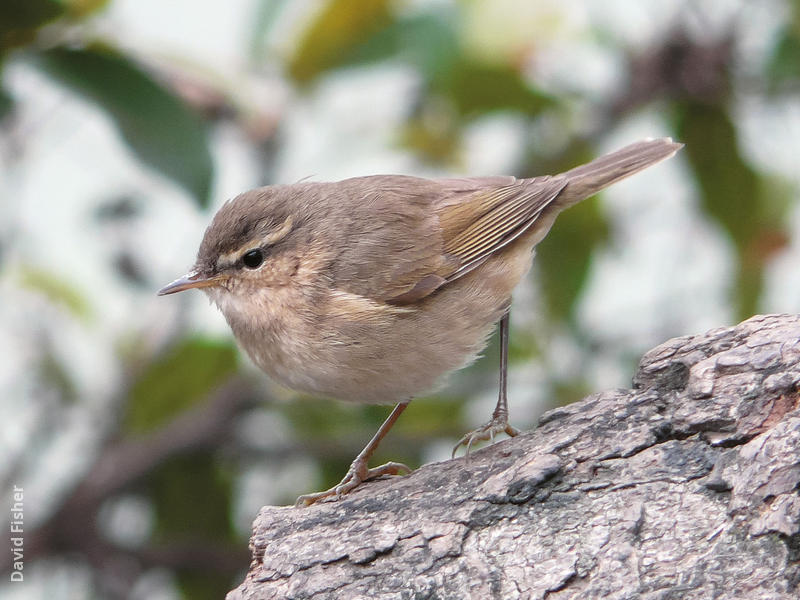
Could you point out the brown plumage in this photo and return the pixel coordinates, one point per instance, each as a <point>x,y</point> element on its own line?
<point>373,288</point>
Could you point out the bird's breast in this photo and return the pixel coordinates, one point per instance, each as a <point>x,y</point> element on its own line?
<point>343,345</point>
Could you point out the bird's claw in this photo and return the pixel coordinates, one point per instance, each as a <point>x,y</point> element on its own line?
<point>356,475</point>
<point>486,431</point>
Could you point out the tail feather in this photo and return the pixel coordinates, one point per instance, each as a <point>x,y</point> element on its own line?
<point>588,179</point>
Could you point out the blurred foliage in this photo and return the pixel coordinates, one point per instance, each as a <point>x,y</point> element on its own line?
<point>192,496</point>
<point>457,87</point>
<point>158,127</point>
<point>342,429</point>
<point>428,42</point>
<point>58,290</point>
<point>21,19</point>
<point>783,69</point>
<point>734,194</point>
<point>785,64</point>
<point>476,89</point>
<point>564,257</point>
<point>176,381</point>
<point>566,392</point>
<point>320,420</point>
<point>691,81</point>
<point>55,376</point>
<point>438,414</point>
<point>329,40</point>
<point>80,9</point>
<point>6,104</point>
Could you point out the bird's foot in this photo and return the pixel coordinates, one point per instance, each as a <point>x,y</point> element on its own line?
<point>356,475</point>
<point>487,431</point>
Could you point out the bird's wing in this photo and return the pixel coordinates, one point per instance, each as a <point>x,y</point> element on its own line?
<point>433,232</point>
<point>478,224</point>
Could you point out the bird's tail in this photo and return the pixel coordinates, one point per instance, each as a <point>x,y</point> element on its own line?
<point>592,177</point>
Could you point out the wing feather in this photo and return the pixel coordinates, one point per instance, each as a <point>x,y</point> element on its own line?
<point>430,232</point>
<point>500,216</point>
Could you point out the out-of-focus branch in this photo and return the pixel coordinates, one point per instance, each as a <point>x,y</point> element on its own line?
<point>123,463</point>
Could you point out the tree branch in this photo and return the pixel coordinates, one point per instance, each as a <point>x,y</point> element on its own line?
<point>685,485</point>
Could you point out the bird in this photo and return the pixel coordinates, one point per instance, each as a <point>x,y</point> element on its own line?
<point>373,289</point>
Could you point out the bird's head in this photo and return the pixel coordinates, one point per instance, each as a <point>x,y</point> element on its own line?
<point>251,246</point>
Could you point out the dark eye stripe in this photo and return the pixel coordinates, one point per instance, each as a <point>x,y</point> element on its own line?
<point>252,259</point>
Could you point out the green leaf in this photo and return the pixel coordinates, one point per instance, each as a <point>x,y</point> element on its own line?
<point>729,186</point>
<point>178,380</point>
<point>734,194</point>
<point>784,65</point>
<point>162,131</point>
<point>476,88</point>
<point>339,28</point>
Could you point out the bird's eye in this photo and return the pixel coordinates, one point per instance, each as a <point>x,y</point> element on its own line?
<point>252,259</point>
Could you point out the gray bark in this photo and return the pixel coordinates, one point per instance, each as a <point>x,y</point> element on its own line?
<point>685,486</point>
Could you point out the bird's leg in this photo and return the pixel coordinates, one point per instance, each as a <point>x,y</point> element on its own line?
<point>499,421</point>
<point>359,472</point>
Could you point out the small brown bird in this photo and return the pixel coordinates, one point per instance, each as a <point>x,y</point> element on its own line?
<point>373,288</point>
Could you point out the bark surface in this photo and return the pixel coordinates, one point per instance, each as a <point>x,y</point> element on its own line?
<point>685,486</point>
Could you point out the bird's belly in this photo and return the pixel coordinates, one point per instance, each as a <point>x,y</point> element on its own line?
<point>372,360</point>
<point>352,348</point>
<point>381,365</point>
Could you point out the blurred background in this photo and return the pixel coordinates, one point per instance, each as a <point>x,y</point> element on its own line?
<point>145,442</point>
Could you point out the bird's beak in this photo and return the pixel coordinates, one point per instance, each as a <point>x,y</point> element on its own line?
<point>193,279</point>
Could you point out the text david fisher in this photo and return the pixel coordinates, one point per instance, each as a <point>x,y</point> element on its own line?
<point>16,539</point>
